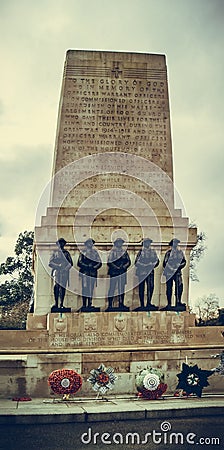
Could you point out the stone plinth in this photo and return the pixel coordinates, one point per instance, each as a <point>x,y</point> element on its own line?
<point>118,329</point>
<point>30,356</point>
<point>128,342</point>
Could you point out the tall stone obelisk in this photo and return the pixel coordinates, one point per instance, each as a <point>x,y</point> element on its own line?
<point>113,169</point>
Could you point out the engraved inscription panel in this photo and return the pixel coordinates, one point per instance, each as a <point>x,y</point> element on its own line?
<point>95,184</point>
<point>117,329</point>
<point>114,102</point>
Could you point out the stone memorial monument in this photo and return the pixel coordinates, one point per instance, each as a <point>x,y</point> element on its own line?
<point>112,182</point>
<point>112,172</point>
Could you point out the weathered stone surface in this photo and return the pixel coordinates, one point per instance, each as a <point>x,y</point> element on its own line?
<point>36,322</point>
<point>112,170</point>
<point>108,93</point>
<point>128,422</point>
<point>27,374</point>
<point>116,330</point>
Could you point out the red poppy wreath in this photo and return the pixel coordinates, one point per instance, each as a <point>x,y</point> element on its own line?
<point>65,381</point>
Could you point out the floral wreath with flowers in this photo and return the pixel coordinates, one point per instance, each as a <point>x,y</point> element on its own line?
<point>150,384</point>
<point>65,382</point>
<point>102,379</point>
<point>192,380</point>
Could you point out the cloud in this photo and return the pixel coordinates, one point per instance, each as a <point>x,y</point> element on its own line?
<point>23,176</point>
<point>1,108</point>
<point>28,169</point>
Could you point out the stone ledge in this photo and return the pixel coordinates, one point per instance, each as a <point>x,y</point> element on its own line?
<point>115,409</point>
<point>126,348</point>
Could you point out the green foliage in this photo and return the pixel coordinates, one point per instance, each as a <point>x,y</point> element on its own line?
<point>16,289</point>
<point>14,317</point>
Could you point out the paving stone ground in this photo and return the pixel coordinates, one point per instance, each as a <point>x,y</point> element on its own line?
<point>119,423</point>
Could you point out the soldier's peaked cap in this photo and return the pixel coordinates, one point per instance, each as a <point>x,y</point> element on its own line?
<point>61,241</point>
<point>89,241</point>
<point>147,240</point>
<point>119,240</point>
<point>174,241</point>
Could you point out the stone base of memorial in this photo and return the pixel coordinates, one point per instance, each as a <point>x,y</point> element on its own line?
<point>122,308</point>
<point>178,308</point>
<point>146,308</point>
<point>129,342</point>
<point>56,309</point>
<point>89,309</point>
<point>115,327</point>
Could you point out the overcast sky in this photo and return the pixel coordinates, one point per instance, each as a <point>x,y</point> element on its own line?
<point>34,37</point>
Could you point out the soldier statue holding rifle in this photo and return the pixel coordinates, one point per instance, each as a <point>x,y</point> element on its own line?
<point>60,263</point>
<point>118,263</point>
<point>174,262</point>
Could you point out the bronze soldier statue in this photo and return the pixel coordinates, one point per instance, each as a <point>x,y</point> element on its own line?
<point>60,263</point>
<point>174,262</point>
<point>118,263</point>
<point>89,262</point>
<point>145,262</point>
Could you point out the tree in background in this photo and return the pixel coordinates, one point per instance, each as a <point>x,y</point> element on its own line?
<point>207,308</point>
<point>16,289</point>
<point>196,254</point>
